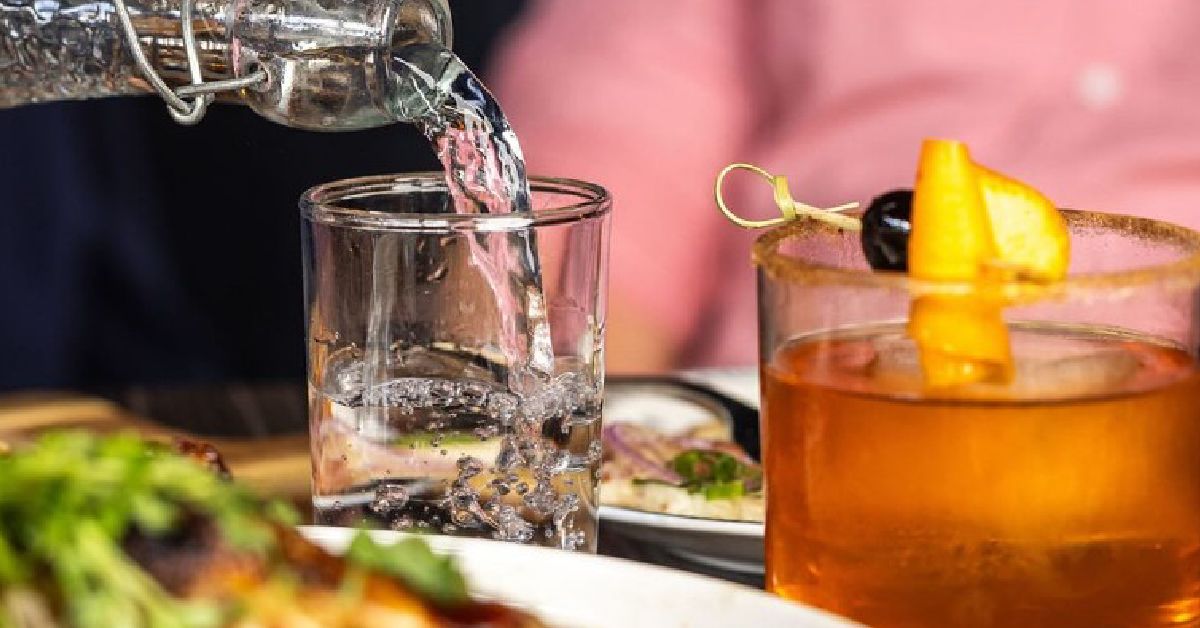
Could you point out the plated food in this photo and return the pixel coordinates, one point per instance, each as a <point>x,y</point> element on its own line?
<point>689,474</point>
<point>670,448</point>
<point>651,422</point>
<point>114,531</point>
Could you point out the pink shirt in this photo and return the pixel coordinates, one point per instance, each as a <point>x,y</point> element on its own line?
<point>1095,102</point>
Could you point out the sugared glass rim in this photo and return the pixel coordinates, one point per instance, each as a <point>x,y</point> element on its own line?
<point>1185,270</point>
<point>332,203</point>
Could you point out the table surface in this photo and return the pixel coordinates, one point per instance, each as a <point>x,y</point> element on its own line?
<point>271,409</point>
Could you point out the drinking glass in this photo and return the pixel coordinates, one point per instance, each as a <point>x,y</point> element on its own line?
<point>455,361</point>
<point>1068,497</point>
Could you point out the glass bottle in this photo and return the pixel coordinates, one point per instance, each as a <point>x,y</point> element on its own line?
<point>312,64</point>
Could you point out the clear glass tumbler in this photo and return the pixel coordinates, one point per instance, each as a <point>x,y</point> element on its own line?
<point>455,361</point>
<point>1069,496</point>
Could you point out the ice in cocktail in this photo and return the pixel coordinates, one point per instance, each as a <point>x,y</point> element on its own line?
<point>1069,498</point>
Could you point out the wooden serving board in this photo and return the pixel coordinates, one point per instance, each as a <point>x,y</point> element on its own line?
<point>276,466</point>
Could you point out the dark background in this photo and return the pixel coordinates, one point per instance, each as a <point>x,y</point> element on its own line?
<point>134,250</point>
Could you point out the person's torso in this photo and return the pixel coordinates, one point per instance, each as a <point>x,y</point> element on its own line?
<point>1092,101</point>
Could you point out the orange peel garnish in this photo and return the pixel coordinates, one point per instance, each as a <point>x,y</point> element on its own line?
<point>962,340</point>
<point>969,223</point>
<point>973,224</point>
<point>1030,233</point>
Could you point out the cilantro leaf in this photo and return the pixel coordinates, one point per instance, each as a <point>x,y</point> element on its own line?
<point>413,562</point>
<point>715,474</point>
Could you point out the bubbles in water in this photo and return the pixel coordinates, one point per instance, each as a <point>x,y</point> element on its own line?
<point>409,393</point>
<point>558,462</point>
<point>389,497</point>
<point>469,467</point>
<point>595,451</point>
<point>509,457</point>
<point>506,476</point>
<point>565,508</point>
<point>511,527</point>
<point>574,540</point>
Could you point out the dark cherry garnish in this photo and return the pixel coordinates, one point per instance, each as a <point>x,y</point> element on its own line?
<point>885,228</point>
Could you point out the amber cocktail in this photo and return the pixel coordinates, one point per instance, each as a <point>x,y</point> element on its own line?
<point>1067,497</point>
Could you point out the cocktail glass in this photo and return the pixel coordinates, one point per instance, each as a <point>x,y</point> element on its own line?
<point>455,361</point>
<point>1070,497</point>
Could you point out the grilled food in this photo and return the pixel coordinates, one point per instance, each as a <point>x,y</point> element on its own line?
<point>113,531</point>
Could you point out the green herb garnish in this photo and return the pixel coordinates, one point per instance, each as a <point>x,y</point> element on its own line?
<point>69,500</point>
<point>413,562</point>
<point>715,474</point>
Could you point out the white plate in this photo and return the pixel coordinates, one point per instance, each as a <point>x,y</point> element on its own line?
<point>740,382</point>
<point>730,545</point>
<point>572,590</point>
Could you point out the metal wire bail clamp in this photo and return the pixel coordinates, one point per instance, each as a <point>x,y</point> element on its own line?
<point>200,93</point>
